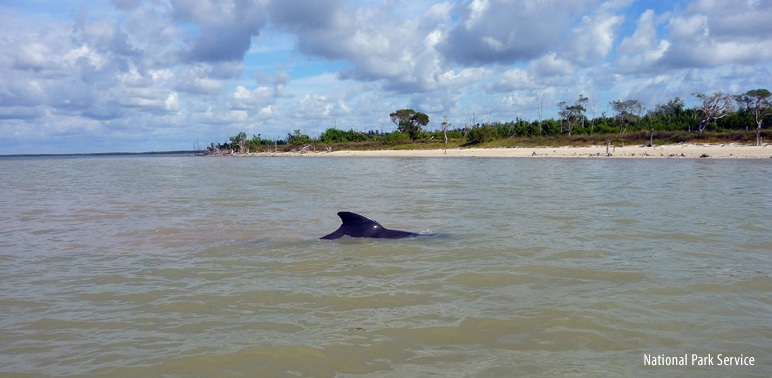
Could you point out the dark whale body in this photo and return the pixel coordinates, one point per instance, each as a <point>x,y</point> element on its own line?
<point>358,226</point>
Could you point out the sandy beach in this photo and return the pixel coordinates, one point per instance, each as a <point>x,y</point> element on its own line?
<point>673,151</point>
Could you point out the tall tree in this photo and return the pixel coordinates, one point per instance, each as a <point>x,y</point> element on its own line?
<point>241,142</point>
<point>714,107</point>
<point>574,113</point>
<point>445,125</point>
<point>409,121</point>
<point>672,107</point>
<point>592,112</point>
<point>758,102</point>
<point>627,111</point>
<point>296,138</point>
<point>540,108</point>
<point>581,106</point>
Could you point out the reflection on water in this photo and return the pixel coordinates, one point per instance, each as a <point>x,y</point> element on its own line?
<point>212,267</point>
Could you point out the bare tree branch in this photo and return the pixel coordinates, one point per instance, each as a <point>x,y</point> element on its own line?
<point>714,107</point>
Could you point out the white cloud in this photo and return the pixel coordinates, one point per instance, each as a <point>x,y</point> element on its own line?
<point>316,106</point>
<point>244,99</point>
<point>224,27</point>
<point>592,40</point>
<point>205,78</point>
<point>459,78</point>
<point>551,65</point>
<point>33,56</point>
<point>711,34</point>
<point>513,79</point>
<point>212,68</point>
<point>172,103</point>
<point>19,93</point>
<point>506,31</point>
<point>267,112</point>
<point>643,50</point>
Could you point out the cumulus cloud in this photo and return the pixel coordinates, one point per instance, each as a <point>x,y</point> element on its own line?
<point>321,106</point>
<point>506,31</point>
<point>593,39</point>
<point>323,28</point>
<point>245,99</point>
<point>546,71</point>
<point>18,93</point>
<point>211,67</point>
<point>279,80</point>
<point>710,33</point>
<point>375,41</point>
<point>643,50</point>
<point>33,56</point>
<point>199,79</point>
<point>224,28</point>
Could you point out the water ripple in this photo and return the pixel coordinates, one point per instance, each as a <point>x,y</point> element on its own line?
<point>212,267</point>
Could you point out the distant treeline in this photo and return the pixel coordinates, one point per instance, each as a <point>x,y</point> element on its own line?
<point>671,122</point>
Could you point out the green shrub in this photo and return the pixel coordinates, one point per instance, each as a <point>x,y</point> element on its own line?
<point>396,137</point>
<point>481,134</point>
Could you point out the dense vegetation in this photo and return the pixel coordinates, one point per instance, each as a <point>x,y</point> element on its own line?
<point>716,119</point>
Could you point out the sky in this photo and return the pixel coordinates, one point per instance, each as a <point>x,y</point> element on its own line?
<point>83,76</point>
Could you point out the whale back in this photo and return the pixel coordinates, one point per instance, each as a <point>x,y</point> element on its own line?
<point>360,226</point>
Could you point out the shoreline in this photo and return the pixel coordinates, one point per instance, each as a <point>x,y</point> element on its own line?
<point>671,151</point>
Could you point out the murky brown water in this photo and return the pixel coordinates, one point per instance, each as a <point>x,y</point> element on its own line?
<point>184,266</point>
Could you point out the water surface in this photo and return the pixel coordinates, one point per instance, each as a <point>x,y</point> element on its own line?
<point>179,266</point>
